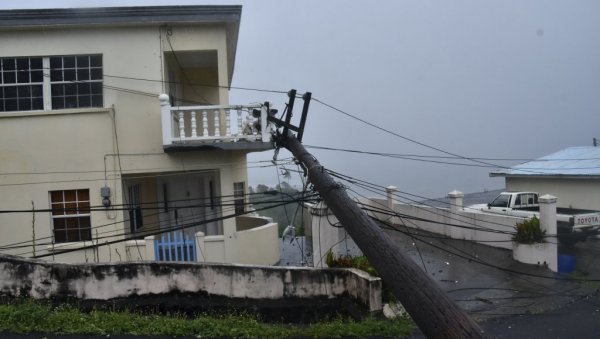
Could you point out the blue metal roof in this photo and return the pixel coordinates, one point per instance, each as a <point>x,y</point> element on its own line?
<point>573,161</point>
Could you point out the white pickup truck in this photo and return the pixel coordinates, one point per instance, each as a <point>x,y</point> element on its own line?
<point>573,224</point>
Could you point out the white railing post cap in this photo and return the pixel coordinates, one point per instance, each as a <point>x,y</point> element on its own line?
<point>164,99</point>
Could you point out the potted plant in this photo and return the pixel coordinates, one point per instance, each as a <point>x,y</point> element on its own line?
<point>529,231</point>
<point>528,242</point>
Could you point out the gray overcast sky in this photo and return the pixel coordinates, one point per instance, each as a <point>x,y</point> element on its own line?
<point>516,79</point>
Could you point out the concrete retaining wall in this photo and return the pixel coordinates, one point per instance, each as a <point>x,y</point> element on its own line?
<point>44,280</point>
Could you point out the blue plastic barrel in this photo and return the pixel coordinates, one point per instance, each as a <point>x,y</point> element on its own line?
<point>566,263</point>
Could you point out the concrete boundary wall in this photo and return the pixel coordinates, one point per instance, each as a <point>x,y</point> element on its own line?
<point>458,222</point>
<point>43,280</point>
<point>488,229</point>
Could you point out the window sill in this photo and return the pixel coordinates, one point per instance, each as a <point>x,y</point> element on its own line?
<point>54,112</point>
<point>64,246</point>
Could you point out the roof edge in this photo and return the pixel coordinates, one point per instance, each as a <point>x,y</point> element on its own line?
<point>19,18</point>
<point>547,176</point>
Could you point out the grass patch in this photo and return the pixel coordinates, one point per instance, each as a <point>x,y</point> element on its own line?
<point>32,316</point>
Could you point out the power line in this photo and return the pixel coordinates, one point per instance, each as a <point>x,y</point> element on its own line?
<point>484,263</point>
<point>284,160</point>
<point>409,139</point>
<point>370,187</point>
<point>199,84</point>
<point>145,234</point>
<point>273,204</point>
<point>428,158</point>
<point>231,206</point>
<point>140,176</point>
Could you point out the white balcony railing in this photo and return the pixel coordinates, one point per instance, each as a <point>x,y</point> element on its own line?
<point>209,124</point>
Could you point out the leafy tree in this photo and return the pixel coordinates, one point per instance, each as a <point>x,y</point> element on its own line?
<point>289,214</point>
<point>260,188</point>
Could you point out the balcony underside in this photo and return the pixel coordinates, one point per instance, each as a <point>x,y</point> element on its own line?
<point>247,146</point>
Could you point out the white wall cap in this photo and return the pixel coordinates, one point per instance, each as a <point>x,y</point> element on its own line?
<point>391,188</point>
<point>547,199</point>
<point>456,194</point>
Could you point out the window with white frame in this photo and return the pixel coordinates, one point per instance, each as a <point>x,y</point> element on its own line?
<point>71,217</point>
<point>53,82</point>
<point>238,197</point>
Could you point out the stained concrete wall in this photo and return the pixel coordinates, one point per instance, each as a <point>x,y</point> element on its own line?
<point>44,280</point>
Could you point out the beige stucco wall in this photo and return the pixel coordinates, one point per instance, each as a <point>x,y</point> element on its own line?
<point>69,149</point>
<point>576,193</point>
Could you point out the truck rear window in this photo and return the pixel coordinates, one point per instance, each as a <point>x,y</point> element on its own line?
<point>501,201</point>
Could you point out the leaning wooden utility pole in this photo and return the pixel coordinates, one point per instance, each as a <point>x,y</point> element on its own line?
<point>434,312</point>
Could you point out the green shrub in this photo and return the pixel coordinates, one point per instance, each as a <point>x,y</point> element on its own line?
<point>29,316</point>
<point>529,231</point>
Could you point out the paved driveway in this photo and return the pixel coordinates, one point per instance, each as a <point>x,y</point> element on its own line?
<point>510,299</point>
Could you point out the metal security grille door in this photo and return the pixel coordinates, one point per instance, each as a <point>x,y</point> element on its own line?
<point>136,220</point>
<point>187,200</point>
<point>175,246</point>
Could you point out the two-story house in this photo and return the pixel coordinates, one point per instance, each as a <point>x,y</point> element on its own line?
<point>115,124</point>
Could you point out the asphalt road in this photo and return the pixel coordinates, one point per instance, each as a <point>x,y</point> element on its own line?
<point>580,319</point>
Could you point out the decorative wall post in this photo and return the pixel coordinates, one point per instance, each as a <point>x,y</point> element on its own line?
<point>165,116</point>
<point>548,224</point>
<point>390,190</point>
<point>456,205</point>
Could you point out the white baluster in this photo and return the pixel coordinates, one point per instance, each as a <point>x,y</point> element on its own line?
<point>193,120</point>
<point>228,122</point>
<point>239,121</point>
<point>254,120</point>
<point>181,125</point>
<point>205,124</point>
<point>217,125</point>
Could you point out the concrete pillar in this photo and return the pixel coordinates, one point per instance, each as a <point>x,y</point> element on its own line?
<point>390,190</point>
<point>456,205</point>
<point>456,201</point>
<point>200,247</point>
<point>329,235</point>
<point>548,224</point>
<point>150,248</point>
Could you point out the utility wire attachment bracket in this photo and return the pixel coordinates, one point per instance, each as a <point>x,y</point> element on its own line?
<point>287,126</point>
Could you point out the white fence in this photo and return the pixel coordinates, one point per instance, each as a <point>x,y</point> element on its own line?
<point>256,243</point>
<point>215,123</point>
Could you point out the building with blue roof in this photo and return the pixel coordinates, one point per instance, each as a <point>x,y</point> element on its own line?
<point>572,175</point>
